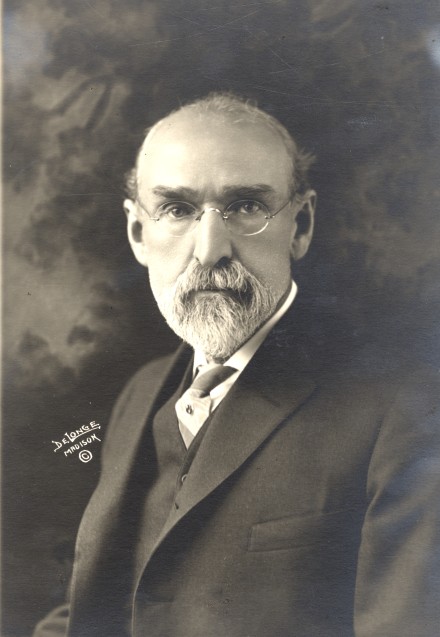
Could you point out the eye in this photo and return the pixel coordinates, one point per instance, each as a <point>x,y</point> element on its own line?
<point>176,210</point>
<point>247,207</point>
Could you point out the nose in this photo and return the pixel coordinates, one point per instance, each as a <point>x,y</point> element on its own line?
<point>212,239</point>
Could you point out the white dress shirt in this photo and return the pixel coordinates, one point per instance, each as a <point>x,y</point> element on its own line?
<point>241,357</point>
<point>201,408</point>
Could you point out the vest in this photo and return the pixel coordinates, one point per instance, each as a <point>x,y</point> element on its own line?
<point>167,463</point>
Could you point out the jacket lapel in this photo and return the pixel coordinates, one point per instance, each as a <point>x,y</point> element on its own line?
<point>274,385</point>
<point>239,429</point>
<point>145,399</point>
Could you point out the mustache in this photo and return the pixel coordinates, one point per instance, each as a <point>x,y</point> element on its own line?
<point>231,277</point>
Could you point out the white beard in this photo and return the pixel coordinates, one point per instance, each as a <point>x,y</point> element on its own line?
<point>217,323</point>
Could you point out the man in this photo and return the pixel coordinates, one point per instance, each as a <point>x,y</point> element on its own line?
<point>292,494</point>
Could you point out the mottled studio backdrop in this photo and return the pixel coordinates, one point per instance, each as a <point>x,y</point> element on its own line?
<point>357,81</point>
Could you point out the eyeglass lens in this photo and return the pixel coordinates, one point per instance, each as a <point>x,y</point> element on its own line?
<point>241,217</point>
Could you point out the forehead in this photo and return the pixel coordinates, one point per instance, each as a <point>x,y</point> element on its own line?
<point>209,151</point>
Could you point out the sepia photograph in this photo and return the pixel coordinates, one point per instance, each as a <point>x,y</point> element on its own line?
<point>221,318</point>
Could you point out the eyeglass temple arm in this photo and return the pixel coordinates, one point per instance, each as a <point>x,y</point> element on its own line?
<point>149,217</point>
<point>273,214</point>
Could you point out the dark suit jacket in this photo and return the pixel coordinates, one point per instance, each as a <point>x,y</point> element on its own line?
<point>312,507</point>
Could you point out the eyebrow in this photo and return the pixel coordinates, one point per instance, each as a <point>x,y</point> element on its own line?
<point>239,191</point>
<point>174,193</point>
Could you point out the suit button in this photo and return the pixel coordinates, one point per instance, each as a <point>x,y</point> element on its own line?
<point>183,478</point>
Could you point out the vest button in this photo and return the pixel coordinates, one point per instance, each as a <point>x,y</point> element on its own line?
<point>183,478</point>
<point>176,505</point>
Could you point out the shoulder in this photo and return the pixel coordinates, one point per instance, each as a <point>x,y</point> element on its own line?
<point>383,389</point>
<point>151,373</point>
<point>139,390</point>
<point>378,369</point>
<point>148,376</point>
<point>403,397</point>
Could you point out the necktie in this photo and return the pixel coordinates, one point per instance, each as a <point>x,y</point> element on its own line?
<point>194,406</point>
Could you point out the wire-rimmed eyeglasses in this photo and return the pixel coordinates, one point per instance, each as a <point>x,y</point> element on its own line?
<point>244,217</point>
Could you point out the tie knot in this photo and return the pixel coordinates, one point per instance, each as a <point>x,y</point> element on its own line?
<point>211,377</point>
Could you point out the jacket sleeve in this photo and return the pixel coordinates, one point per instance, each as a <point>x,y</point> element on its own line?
<point>398,578</point>
<point>55,624</point>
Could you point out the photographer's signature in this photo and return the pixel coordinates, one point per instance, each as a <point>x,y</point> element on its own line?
<point>69,445</point>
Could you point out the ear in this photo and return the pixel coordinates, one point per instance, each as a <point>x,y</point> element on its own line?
<point>304,224</point>
<point>134,232</point>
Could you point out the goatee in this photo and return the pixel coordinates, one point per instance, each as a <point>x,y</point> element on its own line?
<point>216,309</point>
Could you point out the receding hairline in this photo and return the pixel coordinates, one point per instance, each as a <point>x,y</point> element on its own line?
<point>186,117</point>
<point>237,110</point>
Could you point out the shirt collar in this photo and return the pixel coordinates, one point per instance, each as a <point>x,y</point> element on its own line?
<point>242,356</point>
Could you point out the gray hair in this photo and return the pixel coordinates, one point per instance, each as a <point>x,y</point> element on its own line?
<point>242,109</point>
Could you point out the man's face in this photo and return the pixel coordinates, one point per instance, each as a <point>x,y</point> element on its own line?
<point>210,161</point>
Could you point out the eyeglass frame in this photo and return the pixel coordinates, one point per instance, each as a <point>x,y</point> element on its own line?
<point>268,217</point>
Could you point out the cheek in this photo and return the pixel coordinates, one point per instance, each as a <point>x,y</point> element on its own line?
<point>275,257</point>
<point>271,250</point>
<point>167,259</point>
<point>269,261</point>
